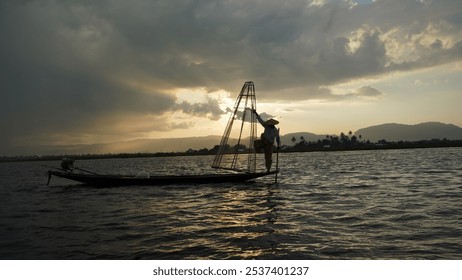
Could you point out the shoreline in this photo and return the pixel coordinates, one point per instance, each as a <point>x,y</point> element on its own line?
<point>297,148</point>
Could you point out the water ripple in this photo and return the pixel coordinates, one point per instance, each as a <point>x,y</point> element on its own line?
<point>342,205</point>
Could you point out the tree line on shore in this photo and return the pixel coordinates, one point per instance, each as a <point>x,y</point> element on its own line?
<point>353,142</point>
<point>329,143</point>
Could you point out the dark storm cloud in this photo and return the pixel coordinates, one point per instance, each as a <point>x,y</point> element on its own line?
<point>67,65</point>
<point>219,44</point>
<point>61,72</point>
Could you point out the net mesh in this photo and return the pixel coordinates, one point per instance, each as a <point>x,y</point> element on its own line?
<point>236,150</point>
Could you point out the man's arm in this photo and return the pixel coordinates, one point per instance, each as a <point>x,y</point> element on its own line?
<point>260,120</point>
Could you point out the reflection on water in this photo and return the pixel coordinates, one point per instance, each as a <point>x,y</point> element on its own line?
<point>397,204</point>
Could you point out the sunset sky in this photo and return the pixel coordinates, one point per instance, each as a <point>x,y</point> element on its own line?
<point>79,72</point>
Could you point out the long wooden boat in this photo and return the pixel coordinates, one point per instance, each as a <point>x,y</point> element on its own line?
<point>224,160</point>
<point>121,180</point>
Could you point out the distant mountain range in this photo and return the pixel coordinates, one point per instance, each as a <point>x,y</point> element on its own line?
<point>389,132</point>
<point>423,131</point>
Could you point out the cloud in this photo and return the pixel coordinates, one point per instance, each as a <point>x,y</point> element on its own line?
<point>210,109</point>
<point>330,94</point>
<point>57,78</point>
<point>182,125</point>
<point>67,65</point>
<point>367,91</point>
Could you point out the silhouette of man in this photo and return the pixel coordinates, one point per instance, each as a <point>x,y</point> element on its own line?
<point>268,136</point>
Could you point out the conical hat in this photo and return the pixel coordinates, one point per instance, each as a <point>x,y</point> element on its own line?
<point>271,122</point>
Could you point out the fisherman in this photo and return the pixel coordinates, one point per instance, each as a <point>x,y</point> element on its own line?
<point>267,137</point>
<point>67,165</point>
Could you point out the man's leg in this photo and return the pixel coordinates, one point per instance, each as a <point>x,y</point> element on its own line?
<point>268,156</point>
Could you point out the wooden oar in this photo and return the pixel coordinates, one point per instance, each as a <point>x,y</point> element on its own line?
<point>277,162</point>
<point>87,171</point>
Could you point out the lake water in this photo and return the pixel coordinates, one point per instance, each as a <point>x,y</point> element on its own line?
<point>387,204</point>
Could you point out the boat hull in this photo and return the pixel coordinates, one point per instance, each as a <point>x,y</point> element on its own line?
<point>118,180</point>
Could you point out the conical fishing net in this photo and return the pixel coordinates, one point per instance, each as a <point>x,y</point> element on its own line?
<point>236,150</point>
